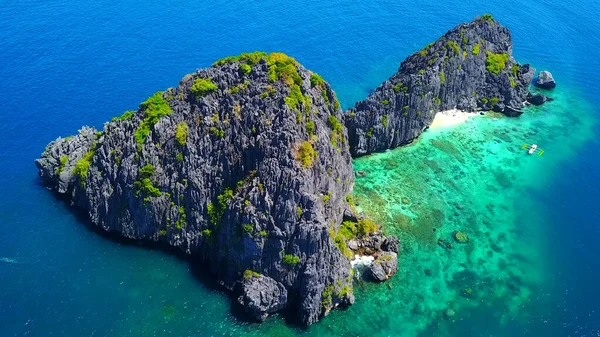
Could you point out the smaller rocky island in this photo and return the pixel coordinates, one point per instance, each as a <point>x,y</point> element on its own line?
<point>470,68</point>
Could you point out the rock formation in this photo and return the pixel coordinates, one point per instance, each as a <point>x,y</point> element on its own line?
<point>470,68</point>
<point>244,165</point>
<point>261,295</point>
<point>384,266</point>
<point>545,80</point>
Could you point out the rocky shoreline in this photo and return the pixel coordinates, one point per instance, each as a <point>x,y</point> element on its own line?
<point>247,165</point>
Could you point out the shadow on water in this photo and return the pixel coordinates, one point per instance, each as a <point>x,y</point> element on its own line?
<point>199,268</point>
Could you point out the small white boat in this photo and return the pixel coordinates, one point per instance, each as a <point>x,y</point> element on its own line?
<point>532,149</point>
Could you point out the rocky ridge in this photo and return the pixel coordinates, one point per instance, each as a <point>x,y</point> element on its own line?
<point>470,68</point>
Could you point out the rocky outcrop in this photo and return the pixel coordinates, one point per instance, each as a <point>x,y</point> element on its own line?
<point>261,296</point>
<point>384,266</point>
<point>470,68</point>
<point>545,80</point>
<point>391,244</point>
<point>244,165</point>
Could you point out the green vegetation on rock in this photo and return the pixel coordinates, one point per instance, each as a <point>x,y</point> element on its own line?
<point>246,69</point>
<point>326,297</point>
<point>181,133</point>
<point>316,80</point>
<point>340,242</point>
<point>348,230</point>
<point>306,154</point>
<point>216,211</point>
<point>296,97</point>
<point>248,228</point>
<point>366,226</point>
<point>248,274</point>
<point>291,260</point>
<point>284,68</point>
<point>144,183</point>
<point>249,58</point>
<point>83,165</point>
<point>182,218</point>
<point>337,133</point>
<point>397,87</point>
<point>495,63</point>
<point>203,86</point>
<point>451,44</point>
<point>487,17</point>
<point>384,120</point>
<point>385,102</point>
<point>442,77</point>
<point>217,132</point>
<point>515,69</point>
<point>310,127</point>
<point>154,107</point>
<point>61,166</point>
<point>476,49</point>
<point>125,116</point>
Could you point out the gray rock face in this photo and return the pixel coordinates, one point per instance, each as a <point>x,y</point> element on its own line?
<point>384,266</point>
<point>262,296</point>
<point>244,165</point>
<point>470,68</point>
<point>58,160</point>
<point>391,244</point>
<point>545,80</point>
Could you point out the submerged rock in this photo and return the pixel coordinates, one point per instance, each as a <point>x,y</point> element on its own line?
<point>545,80</point>
<point>460,237</point>
<point>447,245</point>
<point>538,99</point>
<point>470,68</point>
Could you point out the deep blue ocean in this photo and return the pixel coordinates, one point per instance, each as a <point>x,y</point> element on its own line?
<point>64,64</point>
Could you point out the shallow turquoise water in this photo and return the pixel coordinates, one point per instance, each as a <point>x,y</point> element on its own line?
<point>66,64</point>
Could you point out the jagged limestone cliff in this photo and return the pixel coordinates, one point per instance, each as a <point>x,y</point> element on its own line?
<point>245,165</point>
<point>470,68</point>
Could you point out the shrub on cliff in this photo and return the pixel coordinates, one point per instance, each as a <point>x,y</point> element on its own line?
<point>366,226</point>
<point>154,107</point>
<point>306,154</point>
<point>83,165</point>
<point>202,87</point>
<point>181,132</point>
<point>495,63</point>
<point>291,260</point>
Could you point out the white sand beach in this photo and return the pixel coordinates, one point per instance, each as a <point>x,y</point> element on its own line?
<point>450,118</point>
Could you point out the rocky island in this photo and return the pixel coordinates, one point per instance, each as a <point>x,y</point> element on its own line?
<point>470,68</point>
<point>246,166</point>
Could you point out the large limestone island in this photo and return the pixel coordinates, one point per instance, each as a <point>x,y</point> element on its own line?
<point>246,166</point>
